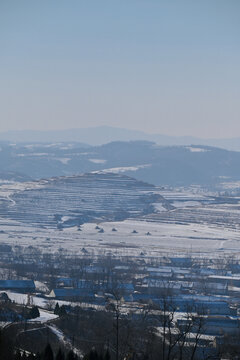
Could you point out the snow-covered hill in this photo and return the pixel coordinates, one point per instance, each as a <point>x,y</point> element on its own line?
<point>68,201</point>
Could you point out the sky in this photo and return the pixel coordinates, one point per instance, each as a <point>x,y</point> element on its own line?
<point>159,66</point>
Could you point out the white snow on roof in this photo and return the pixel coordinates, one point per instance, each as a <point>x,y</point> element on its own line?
<point>222,277</point>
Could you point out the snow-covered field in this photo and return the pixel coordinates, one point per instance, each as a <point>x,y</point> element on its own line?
<point>45,316</point>
<point>162,238</point>
<point>189,221</point>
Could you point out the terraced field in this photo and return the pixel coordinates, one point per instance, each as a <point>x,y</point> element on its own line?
<point>114,213</point>
<point>204,209</point>
<point>68,201</point>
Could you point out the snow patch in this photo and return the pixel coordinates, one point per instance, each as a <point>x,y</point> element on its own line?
<point>184,204</point>
<point>159,207</point>
<point>196,149</point>
<point>97,161</point>
<point>44,316</point>
<point>118,170</point>
<point>64,161</point>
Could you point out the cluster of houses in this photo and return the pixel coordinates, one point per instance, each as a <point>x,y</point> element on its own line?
<point>207,291</point>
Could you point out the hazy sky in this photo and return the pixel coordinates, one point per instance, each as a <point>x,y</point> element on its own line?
<point>171,67</point>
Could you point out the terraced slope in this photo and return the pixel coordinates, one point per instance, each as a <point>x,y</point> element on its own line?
<point>68,201</point>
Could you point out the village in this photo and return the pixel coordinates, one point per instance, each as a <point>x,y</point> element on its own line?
<point>206,290</point>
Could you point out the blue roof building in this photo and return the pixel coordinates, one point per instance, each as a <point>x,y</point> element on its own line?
<point>17,285</point>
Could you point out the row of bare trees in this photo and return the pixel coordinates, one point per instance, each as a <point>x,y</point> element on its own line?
<point>155,329</point>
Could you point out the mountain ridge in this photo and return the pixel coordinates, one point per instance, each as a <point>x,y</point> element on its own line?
<point>143,160</point>
<point>104,134</point>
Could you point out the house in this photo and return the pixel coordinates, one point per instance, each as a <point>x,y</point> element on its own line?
<point>126,287</point>
<point>229,280</point>
<point>17,285</point>
<point>94,269</point>
<point>156,286</point>
<point>139,297</point>
<point>233,291</point>
<point>4,247</point>
<point>202,305</point>
<point>216,325</point>
<point>70,293</point>
<point>181,261</point>
<point>64,281</point>
<point>159,272</point>
<point>86,284</point>
<point>221,325</point>
<point>217,288</point>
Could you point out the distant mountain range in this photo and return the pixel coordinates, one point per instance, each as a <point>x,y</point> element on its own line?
<point>105,134</point>
<point>143,160</point>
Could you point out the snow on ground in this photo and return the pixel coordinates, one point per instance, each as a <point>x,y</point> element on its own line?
<point>4,323</point>
<point>118,170</point>
<point>58,333</point>
<point>196,225</point>
<point>44,303</point>
<point>166,237</point>
<point>234,288</point>
<point>159,207</point>
<point>40,286</point>
<point>97,161</point>
<point>6,190</point>
<point>182,204</point>
<point>190,336</point>
<point>196,149</point>
<point>67,342</point>
<point>182,194</point>
<point>231,185</point>
<point>44,316</point>
<point>63,160</point>
<point>22,299</point>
